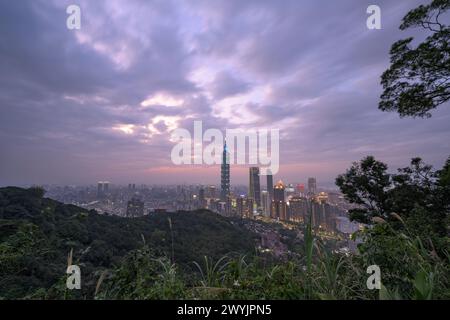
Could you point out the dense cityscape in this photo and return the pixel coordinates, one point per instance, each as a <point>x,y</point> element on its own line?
<point>267,201</point>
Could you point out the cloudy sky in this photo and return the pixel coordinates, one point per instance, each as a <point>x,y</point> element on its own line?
<point>99,103</point>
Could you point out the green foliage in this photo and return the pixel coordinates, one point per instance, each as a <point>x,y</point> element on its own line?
<point>36,233</point>
<point>211,272</point>
<point>415,198</point>
<point>143,276</point>
<point>409,269</point>
<point>366,184</point>
<point>418,78</point>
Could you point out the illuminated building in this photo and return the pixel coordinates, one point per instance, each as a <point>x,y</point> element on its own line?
<point>279,207</point>
<point>225,174</point>
<point>240,209</point>
<point>322,197</point>
<point>298,208</point>
<point>265,203</point>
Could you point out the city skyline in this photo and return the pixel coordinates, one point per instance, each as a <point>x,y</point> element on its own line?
<point>100,103</point>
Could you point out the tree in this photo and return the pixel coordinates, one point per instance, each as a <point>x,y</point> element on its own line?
<point>416,194</point>
<point>418,79</point>
<point>366,184</point>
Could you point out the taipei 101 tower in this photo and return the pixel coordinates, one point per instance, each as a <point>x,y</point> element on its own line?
<point>225,174</point>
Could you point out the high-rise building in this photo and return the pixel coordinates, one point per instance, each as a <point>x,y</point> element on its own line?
<point>278,191</point>
<point>225,174</point>
<point>270,189</point>
<point>279,207</point>
<point>240,209</point>
<point>298,209</point>
<point>250,207</point>
<point>265,203</point>
<point>254,190</point>
<point>102,188</point>
<point>99,189</point>
<point>312,186</point>
<point>270,184</point>
<point>135,208</point>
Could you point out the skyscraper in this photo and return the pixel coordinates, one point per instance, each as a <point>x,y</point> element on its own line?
<point>298,208</point>
<point>254,190</point>
<point>250,210</point>
<point>279,207</point>
<point>102,188</point>
<point>312,186</point>
<point>270,189</point>
<point>265,203</point>
<point>240,203</point>
<point>270,184</point>
<point>278,191</point>
<point>225,174</point>
<point>99,189</point>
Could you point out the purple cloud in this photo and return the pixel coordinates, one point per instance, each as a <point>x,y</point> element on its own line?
<point>72,104</point>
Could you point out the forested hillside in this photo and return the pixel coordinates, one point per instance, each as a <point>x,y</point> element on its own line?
<point>37,234</point>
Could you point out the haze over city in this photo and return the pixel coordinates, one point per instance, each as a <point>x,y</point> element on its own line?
<point>100,103</point>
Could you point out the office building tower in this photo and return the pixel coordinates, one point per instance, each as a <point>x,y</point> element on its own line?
<point>270,189</point>
<point>254,190</point>
<point>298,208</point>
<point>278,191</point>
<point>250,207</point>
<point>279,207</point>
<point>270,184</point>
<point>312,186</point>
<point>240,209</point>
<point>100,189</point>
<point>265,203</point>
<point>225,174</point>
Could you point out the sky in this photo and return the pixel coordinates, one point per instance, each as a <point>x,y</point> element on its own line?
<point>101,103</point>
